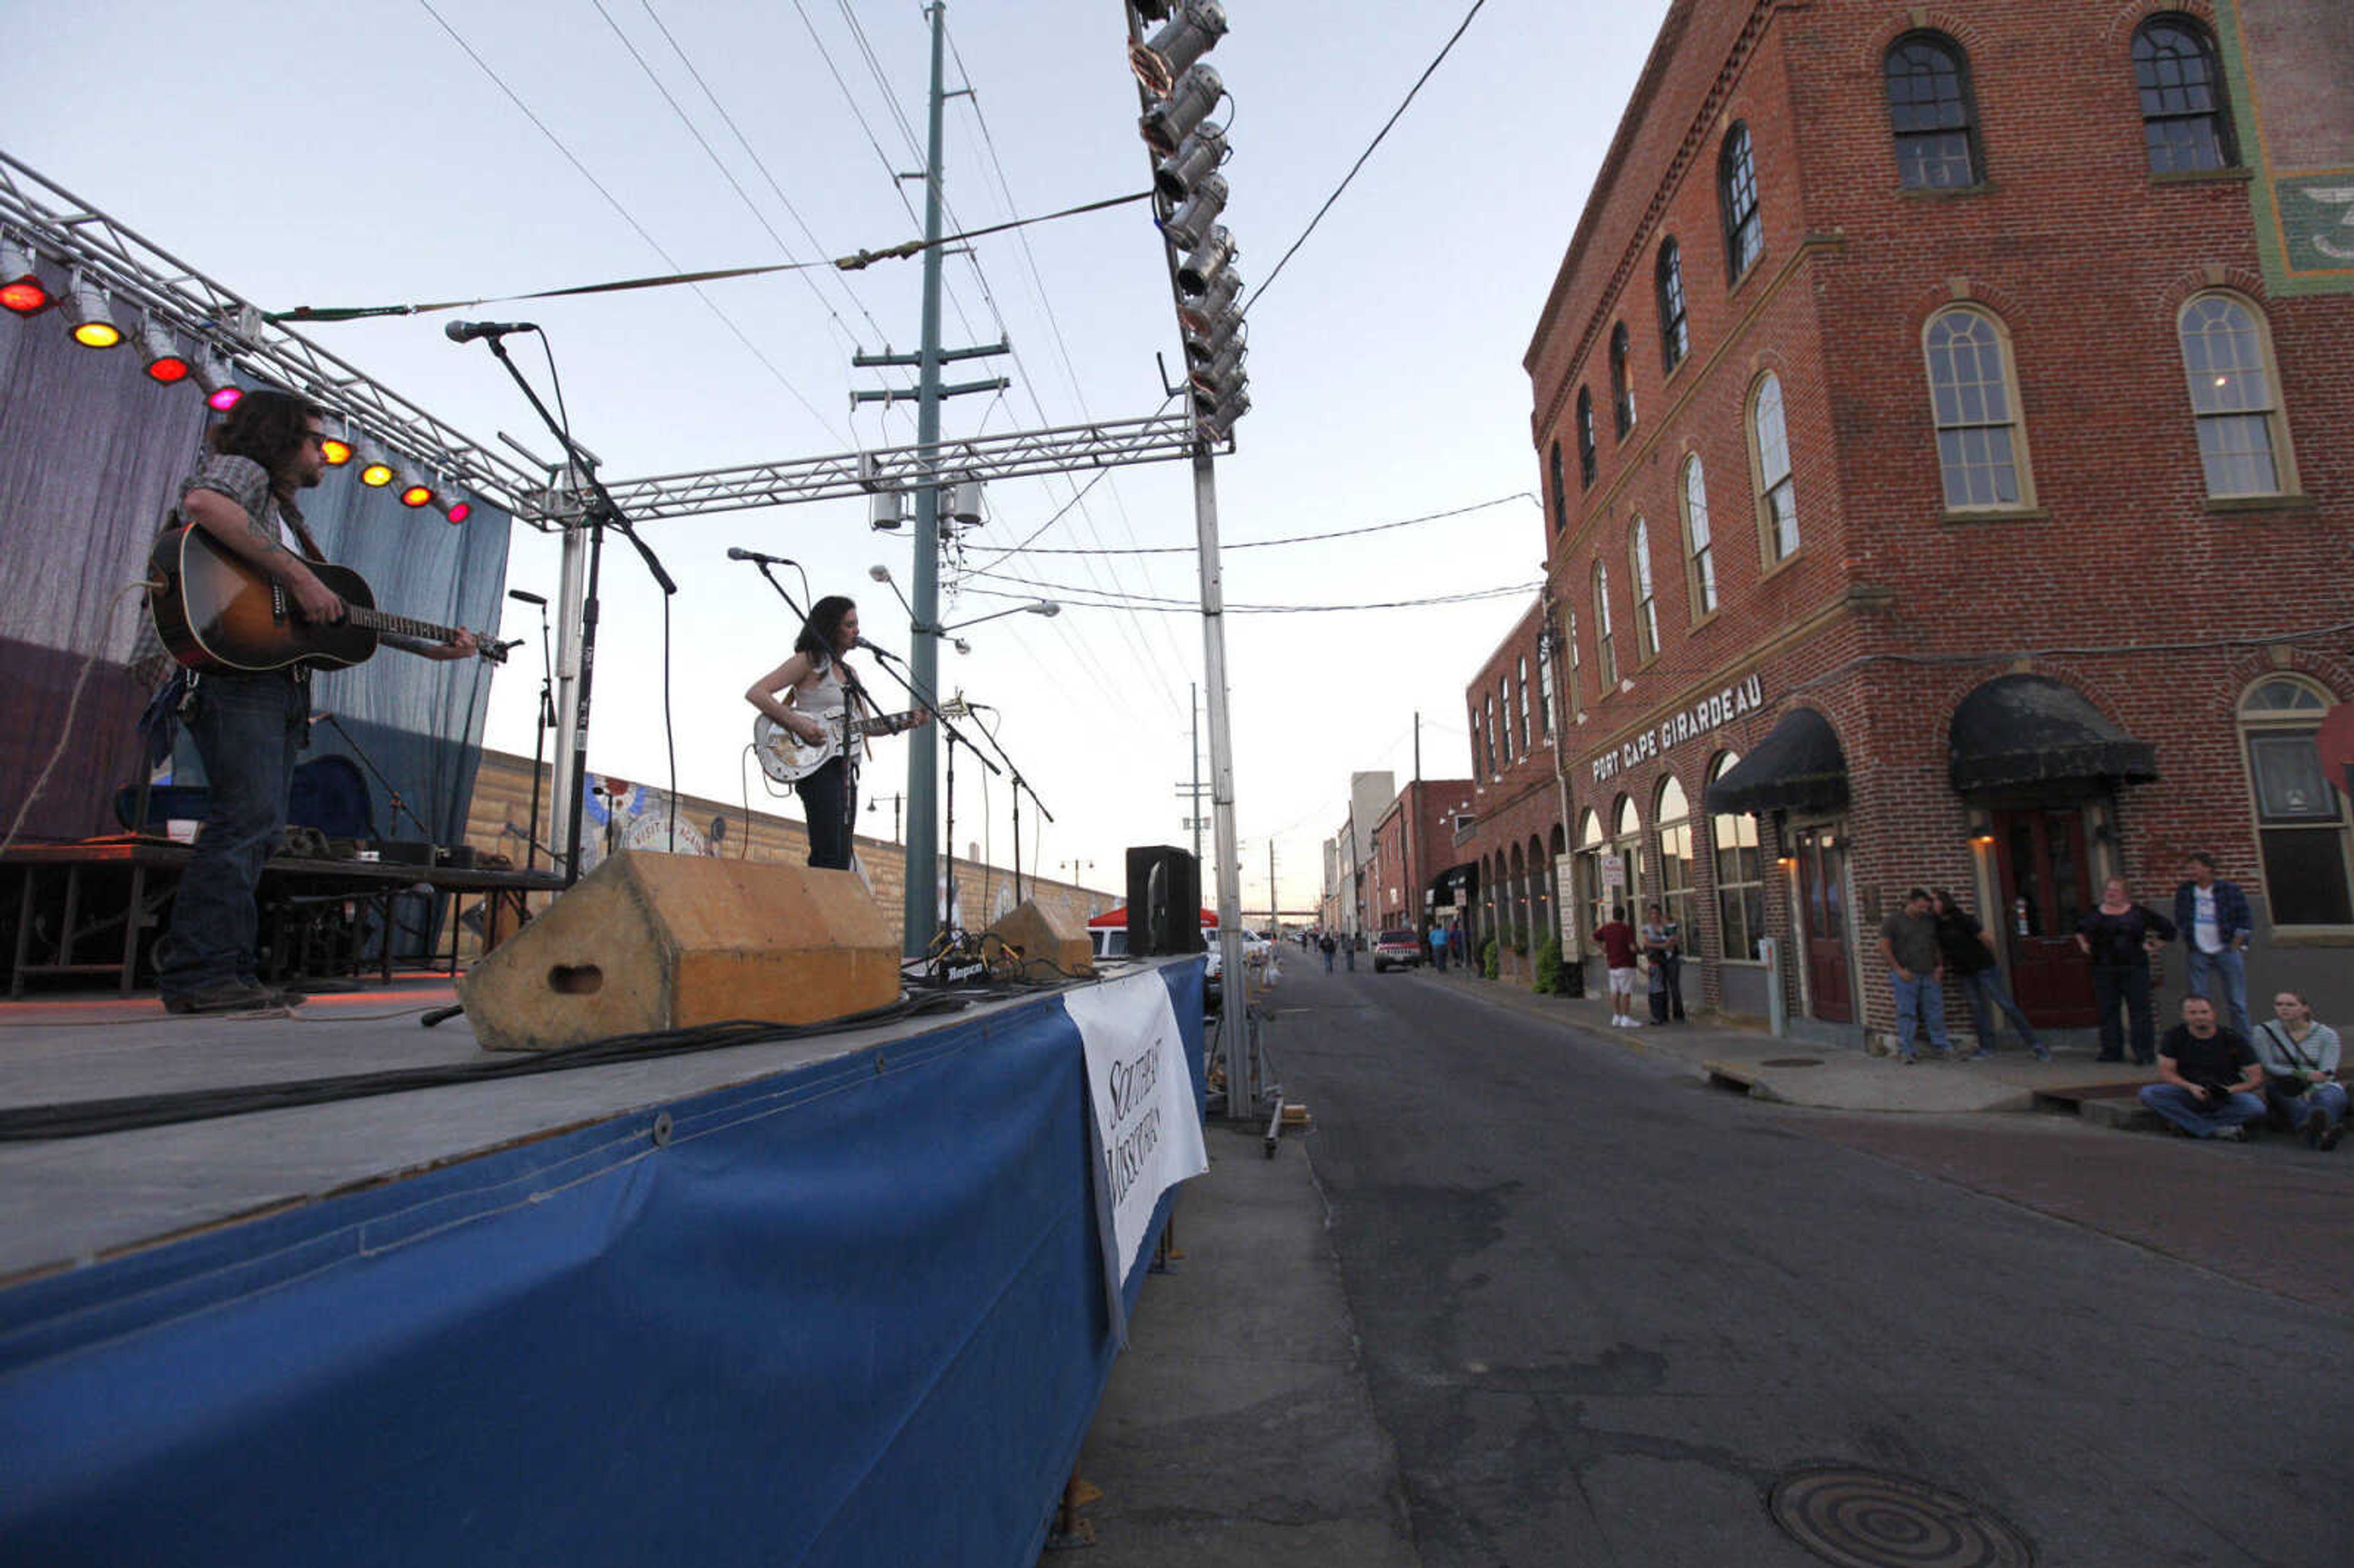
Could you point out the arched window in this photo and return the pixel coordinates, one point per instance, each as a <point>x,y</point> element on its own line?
<point>1622,381</point>
<point>1576,663</point>
<point>1740,878</point>
<point>1699,553</point>
<point>1736,194</point>
<point>1585,448</point>
<point>1672,813</point>
<point>1622,889</point>
<point>1769,457</point>
<point>1930,112</point>
<point>1981,449</point>
<point>1560,492</point>
<point>1605,651</point>
<point>1479,768</point>
<point>1495,747</point>
<point>2186,120</point>
<point>2301,822</point>
<point>2242,436</point>
<point>1545,693</point>
<point>1675,332</point>
<point>1504,706</point>
<point>1527,743</point>
<point>1646,608</point>
<point>1589,875</point>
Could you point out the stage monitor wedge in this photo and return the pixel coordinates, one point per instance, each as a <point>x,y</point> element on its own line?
<point>1052,949</point>
<point>650,941</point>
<point>1164,902</point>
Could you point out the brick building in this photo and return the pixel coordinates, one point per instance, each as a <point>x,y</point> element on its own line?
<point>1941,411</point>
<point>1515,720</point>
<point>1412,848</point>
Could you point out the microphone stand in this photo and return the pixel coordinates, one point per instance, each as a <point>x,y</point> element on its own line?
<point>1020,784</point>
<point>391,791</point>
<point>923,699</point>
<point>539,741</point>
<point>602,514</point>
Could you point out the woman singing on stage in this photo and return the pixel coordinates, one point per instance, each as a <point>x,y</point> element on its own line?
<point>815,695</point>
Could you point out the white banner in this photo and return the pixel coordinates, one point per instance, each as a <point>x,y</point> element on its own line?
<point>1140,1090</point>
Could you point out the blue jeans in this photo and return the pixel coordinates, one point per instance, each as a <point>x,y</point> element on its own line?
<point>1984,987</point>
<point>248,730</point>
<point>2201,1120</point>
<point>1919,1001</point>
<point>2233,965</point>
<point>2290,1110</point>
<point>2127,987</point>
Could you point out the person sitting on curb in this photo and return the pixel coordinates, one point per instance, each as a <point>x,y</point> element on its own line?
<point>2300,1053</point>
<point>2209,1078</point>
<point>1916,972</point>
<point>1969,954</point>
<point>1618,948</point>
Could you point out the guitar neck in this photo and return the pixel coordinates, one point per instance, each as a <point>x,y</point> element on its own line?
<point>399,625</point>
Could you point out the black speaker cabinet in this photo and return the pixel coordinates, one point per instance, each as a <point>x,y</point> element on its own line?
<point>1164,901</point>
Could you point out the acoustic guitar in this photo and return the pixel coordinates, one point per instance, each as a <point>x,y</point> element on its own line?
<point>218,611</point>
<point>787,758</point>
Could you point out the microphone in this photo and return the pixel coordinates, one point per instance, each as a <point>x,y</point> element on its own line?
<point>467,332</point>
<point>527,598</point>
<point>738,553</point>
<point>861,643</point>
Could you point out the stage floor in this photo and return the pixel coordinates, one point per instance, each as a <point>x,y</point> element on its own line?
<point>73,1201</point>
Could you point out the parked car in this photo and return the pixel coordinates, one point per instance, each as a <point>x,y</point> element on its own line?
<point>1403,948</point>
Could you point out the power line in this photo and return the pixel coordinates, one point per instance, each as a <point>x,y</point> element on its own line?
<point>1433,65</point>
<point>1294,539</point>
<point>613,201</point>
<point>1169,604</point>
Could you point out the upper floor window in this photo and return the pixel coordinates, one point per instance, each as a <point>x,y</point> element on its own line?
<point>1576,665</point>
<point>1480,767</point>
<point>1647,608</point>
<point>1504,706</point>
<point>1545,697</point>
<point>1736,192</point>
<point>1769,457</point>
<point>1560,492</point>
<point>1622,381</point>
<point>2301,822</point>
<point>1527,744</point>
<point>1675,332</point>
<point>1585,439</point>
<point>2243,438</point>
<point>1605,651</point>
<point>2185,118</point>
<point>1980,447</point>
<point>1495,747</point>
<point>1699,550</point>
<point>1929,112</point>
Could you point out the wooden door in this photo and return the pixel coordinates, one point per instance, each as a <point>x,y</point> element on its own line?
<point>1822,917</point>
<point>2046,884</point>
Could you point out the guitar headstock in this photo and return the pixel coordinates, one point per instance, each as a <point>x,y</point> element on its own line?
<point>491,649</point>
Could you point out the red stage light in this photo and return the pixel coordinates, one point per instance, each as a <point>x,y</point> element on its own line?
<point>224,398</point>
<point>168,369</point>
<point>460,513</point>
<point>26,296</point>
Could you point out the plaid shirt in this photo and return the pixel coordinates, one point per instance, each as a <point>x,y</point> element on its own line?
<point>246,482</point>
<point>2231,915</point>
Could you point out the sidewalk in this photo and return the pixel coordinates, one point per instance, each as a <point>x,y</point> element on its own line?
<point>1837,1077</point>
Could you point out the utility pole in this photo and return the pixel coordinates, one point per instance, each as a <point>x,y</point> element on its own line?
<point>1193,710</point>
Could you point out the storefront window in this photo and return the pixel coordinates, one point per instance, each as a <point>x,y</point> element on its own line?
<point>1624,852</point>
<point>1673,814</point>
<point>2300,820</point>
<point>1740,878</point>
<point>1589,875</point>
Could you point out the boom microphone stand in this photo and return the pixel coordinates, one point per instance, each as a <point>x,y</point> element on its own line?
<point>1020,784</point>
<point>547,723</point>
<point>924,700</point>
<point>601,514</point>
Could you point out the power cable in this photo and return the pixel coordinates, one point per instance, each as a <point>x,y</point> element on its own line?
<point>1293,539</point>
<point>1171,606</point>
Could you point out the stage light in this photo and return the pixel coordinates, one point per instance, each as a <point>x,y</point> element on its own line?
<point>92,314</point>
<point>1189,34</point>
<point>337,451</point>
<point>1199,270</point>
<point>453,505</point>
<point>1176,177</point>
<point>21,289</point>
<point>161,348</point>
<point>1166,124</point>
<point>1201,347</point>
<point>1190,223</point>
<point>1219,423</point>
<point>1200,316</point>
<point>212,373</point>
<point>375,472</point>
<point>417,495</point>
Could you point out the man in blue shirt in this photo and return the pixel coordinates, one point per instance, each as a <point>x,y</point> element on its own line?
<point>2212,916</point>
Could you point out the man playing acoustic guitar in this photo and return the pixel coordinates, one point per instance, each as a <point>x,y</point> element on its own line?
<point>819,693</point>
<point>248,725</point>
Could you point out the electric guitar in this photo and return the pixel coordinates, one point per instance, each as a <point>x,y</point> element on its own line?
<point>218,611</point>
<point>787,758</point>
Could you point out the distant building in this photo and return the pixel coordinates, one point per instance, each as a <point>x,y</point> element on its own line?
<point>1413,847</point>
<point>1942,415</point>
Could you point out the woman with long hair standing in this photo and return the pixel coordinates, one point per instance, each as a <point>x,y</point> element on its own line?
<point>814,695</point>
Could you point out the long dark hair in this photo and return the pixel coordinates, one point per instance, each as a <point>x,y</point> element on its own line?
<point>266,426</point>
<point>822,630</point>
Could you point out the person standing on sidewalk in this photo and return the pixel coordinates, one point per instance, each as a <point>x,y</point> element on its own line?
<point>1439,947</point>
<point>1326,946</point>
<point>1968,950</point>
<point>2300,1053</point>
<point>2215,922</point>
<point>1618,950</point>
<point>2119,938</point>
<point>1916,972</point>
<point>2210,1082</point>
<point>1663,944</point>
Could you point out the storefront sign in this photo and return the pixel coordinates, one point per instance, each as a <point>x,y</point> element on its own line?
<point>1710,714</point>
<point>1564,876</point>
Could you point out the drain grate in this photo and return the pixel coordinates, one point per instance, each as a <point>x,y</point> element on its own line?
<point>1865,1519</point>
<point>1791,1061</point>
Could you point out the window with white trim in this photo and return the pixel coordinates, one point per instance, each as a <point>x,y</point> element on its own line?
<point>1700,552</point>
<point>2243,436</point>
<point>1973,397</point>
<point>2301,820</point>
<point>1647,608</point>
<point>1605,653</point>
<point>1769,456</point>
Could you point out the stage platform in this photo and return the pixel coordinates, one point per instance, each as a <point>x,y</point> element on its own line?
<point>832,1300</point>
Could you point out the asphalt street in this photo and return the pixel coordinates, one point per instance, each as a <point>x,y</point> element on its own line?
<point>1598,1311</point>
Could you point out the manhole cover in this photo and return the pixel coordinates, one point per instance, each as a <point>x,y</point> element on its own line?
<point>1792,1062</point>
<point>1862,1519</point>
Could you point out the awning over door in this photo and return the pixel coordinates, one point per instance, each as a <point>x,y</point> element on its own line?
<point>1799,766</point>
<point>2021,731</point>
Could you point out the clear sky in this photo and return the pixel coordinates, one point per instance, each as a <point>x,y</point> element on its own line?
<point>356,155</point>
